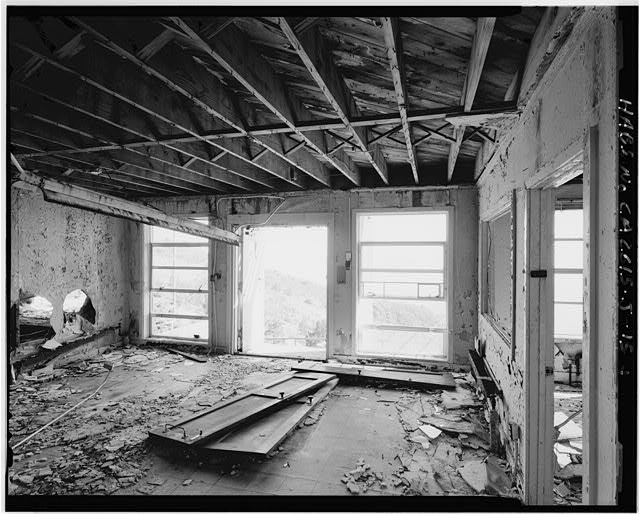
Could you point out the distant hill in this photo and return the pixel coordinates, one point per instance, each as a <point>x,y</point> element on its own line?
<point>294,307</point>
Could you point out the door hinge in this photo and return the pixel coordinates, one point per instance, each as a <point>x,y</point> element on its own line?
<point>548,370</point>
<point>538,273</point>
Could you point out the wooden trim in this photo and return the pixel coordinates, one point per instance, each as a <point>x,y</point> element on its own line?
<point>393,43</point>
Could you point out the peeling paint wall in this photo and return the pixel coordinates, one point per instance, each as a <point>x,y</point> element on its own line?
<point>552,128</point>
<point>56,249</point>
<point>463,324</point>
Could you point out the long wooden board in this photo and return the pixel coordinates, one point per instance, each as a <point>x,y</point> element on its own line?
<point>423,380</point>
<point>226,416</point>
<point>265,434</point>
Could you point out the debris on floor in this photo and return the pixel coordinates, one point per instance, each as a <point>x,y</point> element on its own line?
<point>567,421</point>
<point>102,447</point>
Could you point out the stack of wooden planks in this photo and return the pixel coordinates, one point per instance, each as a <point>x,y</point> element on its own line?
<point>253,423</point>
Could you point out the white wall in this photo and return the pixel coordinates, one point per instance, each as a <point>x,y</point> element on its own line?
<point>553,127</point>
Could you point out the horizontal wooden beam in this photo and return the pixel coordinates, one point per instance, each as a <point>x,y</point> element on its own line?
<point>76,196</point>
<point>453,115</point>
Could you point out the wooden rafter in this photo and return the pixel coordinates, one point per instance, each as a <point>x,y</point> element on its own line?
<point>393,44</point>
<point>318,62</point>
<point>137,127</point>
<point>479,49</point>
<point>234,53</point>
<point>56,131</point>
<point>219,104</point>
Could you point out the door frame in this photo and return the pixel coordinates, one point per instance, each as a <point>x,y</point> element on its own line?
<point>239,221</point>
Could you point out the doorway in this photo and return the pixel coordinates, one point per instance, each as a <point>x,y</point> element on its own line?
<point>283,290</point>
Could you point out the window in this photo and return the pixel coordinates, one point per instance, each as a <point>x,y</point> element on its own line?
<point>567,287</point>
<point>401,296</point>
<point>179,287</point>
<point>497,294</point>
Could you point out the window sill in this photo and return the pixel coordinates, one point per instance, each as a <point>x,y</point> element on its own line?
<point>506,338</point>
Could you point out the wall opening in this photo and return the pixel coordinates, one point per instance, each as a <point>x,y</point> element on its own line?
<point>79,315</point>
<point>284,291</point>
<point>34,314</point>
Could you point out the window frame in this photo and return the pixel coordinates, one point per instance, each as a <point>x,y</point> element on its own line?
<point>565,205</point>
<point>149,245</point>
<point>446,271</point>
<point>508,208</point>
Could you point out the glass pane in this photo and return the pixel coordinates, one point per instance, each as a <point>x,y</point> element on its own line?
<point>428,291</point>
<point>568,254</point>
<point>372,289</point>
<point>419,226</point>
<point>176,327</point>
<point>568,287</point>
<point>402,257</point>
<point>403,313</point>
<point>193,304</point>
<point>568,321</point>
<point>402,276</point>
<point>164,235</point>
<point>568,224</point>
<point>395,290</point>
<point>180,256</point>
<point>401,343</point>
<point>179,279</point>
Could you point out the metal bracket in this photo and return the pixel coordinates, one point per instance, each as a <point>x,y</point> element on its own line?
<point>538,273</point>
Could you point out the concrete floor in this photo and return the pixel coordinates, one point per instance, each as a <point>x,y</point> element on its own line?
<point>102,447</point>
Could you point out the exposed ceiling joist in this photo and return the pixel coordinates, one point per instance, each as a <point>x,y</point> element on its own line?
<point>80,197</point>
<point>393,43</point>
<point>479,49</point>
<point>318,61</point>
<point>244,63</point>
<point>219,104</point>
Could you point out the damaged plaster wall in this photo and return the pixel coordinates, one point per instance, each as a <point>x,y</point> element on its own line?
<point>56,249</point>
<point>463,324</point>
<point>554,125</point>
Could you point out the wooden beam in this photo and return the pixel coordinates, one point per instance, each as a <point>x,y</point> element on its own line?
<point>86,199</point>
<point>236,55</point>
<point>155,45</point>
<point>317,59</point>
<point>66,51</point>
<point>213,97</point>
<point>393,43</point>
<point>479,49</point>
<point>384,135</point>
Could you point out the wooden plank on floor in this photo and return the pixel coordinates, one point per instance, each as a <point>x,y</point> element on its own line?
<point>263,435</point>
<point>226,416</point>
<point>423,380</point>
